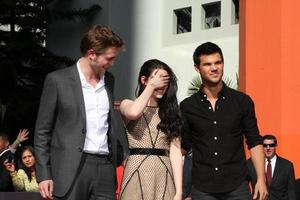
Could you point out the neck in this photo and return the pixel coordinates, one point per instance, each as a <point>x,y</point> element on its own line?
<point>270,158</point>
<point>87,70</point>
<point>212,91</point>
<point>152,102</point>
<point>31,169</point>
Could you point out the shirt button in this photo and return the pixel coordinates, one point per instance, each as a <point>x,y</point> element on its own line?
<point>83,131</point>
<point>79,149</point>
<point>215,122</point>
<point>223,97</point>
<point>216,153</point>
<point>216,169</point>
<point>209,108</point>
<point>215,138</point>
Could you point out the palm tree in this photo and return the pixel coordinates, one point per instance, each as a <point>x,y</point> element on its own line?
<point>196,83</point>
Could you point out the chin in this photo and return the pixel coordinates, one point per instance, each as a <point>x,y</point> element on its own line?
<point>159,96</point>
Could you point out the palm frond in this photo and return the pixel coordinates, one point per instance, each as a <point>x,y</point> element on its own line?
<point>196,83</point>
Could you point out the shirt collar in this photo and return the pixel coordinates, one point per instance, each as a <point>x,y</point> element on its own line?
<point>221,94</point>
<point>82,77</point>
<point>272,159</point>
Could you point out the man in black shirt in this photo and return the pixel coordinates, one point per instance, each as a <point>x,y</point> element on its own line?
<point>216,120</point>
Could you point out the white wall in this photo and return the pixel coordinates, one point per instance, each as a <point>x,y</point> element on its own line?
<point>147,27</point>
<point>150,35</point>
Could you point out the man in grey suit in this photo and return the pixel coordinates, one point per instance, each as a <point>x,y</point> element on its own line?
<point>78,132</point>
<point>280,174</point>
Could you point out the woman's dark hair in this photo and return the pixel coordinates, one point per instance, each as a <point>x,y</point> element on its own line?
<point>170,118</point>
<point>21,164</point>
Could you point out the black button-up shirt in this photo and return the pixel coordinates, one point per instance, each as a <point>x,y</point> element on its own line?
<point>217,138</point>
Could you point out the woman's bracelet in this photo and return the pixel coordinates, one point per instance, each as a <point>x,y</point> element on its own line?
<point>17,142</point>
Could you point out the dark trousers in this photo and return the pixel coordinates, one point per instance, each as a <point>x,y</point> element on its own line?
<point>242,192</point>
<point>95,180</point>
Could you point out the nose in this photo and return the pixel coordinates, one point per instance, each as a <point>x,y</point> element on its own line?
<point>213,67</point>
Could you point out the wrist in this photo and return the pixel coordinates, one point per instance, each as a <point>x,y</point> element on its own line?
<point>17,142</point>
<point>178,192</point>
<point>150,87</point>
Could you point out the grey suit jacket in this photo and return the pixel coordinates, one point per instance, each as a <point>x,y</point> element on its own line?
<point>61,126</point>
<point>283,182</point>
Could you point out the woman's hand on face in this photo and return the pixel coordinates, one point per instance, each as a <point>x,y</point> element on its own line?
<point>158,81</point>
<point>9,166</point>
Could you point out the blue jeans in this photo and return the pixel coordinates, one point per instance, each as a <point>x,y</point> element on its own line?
<point>242,192</point>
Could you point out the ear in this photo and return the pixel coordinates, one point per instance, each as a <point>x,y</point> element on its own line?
<point>7,144</point>
<point>90,54</point>
<point>143,80</point>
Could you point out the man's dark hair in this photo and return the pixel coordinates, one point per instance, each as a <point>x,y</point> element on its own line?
<point>207,48</point>
<point>270,137</point>
<point>99,38</point>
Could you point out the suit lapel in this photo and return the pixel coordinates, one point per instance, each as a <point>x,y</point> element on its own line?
<point>277,169</point>
<point>77,89</point>
<point>110,98</point>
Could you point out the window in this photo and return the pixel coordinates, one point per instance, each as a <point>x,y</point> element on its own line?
<point>212,15</point>
<point>235,11</point>
<point>183,20</point>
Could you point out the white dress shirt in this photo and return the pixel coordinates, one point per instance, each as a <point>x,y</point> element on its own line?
<point>96,104</point>
<point>273,163</point>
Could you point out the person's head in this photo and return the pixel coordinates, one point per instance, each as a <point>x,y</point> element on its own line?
<point>28,157</point>
<point>4,139</point>
<point>27,161</point>
<point>209,62</point>
<point>167,101</point>
<point>270,144</point>
<point>101,46</point>
<point>147,70</point>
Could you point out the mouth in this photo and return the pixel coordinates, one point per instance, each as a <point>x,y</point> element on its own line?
<point>215,75</point>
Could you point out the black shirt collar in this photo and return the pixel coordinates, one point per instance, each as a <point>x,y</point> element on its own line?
<point>221,94</point>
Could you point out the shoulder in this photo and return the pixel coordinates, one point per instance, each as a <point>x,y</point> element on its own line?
<point>21,172</point>
<point>284,161</point>
<point>189,101</point>
<point>239,95</point>
<point>242,99</point>
<point>5,154</point>
<point>63,72</point>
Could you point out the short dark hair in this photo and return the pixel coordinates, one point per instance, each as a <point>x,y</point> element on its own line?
<point>206,48</point>
<point>99,38</point>
<point>270,137</point>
